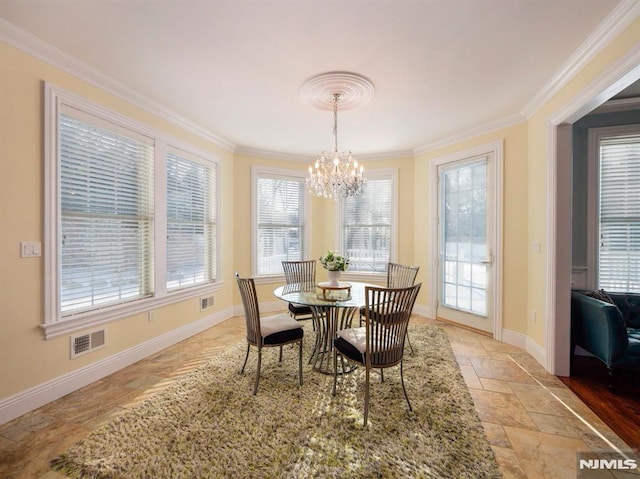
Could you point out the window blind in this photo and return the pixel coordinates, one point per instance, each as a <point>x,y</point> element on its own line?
<point>191,226</point>
<point>619,213</point>
<point>367,226</point>
<point>106,215</point>
<point>280,218</point>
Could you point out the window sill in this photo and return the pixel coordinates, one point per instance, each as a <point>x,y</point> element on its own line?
<point>99,317</point>
<point>365,277</point>
<point>268,279</point>
<point>346,276</point>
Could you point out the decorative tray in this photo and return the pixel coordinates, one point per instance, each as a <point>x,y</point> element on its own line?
<point>332,292</point>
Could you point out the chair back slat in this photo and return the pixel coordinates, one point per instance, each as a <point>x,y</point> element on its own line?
<point>300,272</point>
<point>401,276</point>
<point>251,310</point>
<point>387,314</point>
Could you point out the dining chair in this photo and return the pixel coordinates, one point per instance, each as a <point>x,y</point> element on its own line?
<point>399,276</point>
<point>379,344</point>
<point>270,331</point>
<point>304,274</point>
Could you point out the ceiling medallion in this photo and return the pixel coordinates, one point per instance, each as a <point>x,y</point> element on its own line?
<point>336,174</point>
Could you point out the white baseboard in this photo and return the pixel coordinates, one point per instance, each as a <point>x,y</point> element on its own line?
<point>514,339</point>
<point>523,341</point>
<point>422,310</point>
<point>537,351</point>
<point>271,307</point>
<point>35,397</point>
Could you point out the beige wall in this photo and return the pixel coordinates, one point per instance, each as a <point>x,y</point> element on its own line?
<point>26,359</point>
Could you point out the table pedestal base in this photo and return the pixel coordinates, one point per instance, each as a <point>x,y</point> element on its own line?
<point>328,320</point>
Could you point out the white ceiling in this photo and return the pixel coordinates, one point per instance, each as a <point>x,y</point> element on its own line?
<point>235,67</point>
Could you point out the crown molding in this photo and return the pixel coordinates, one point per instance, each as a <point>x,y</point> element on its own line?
<point>15,36</point>
<point>618,76</point>
<point>506,122</point>
<point>617,21</point>
<point>275,155</point>
<point>272,155</point>
<point>386,155</point>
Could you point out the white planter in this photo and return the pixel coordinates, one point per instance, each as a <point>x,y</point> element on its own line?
<point>334,277</point>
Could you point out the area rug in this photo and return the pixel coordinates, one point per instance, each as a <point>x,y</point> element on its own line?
<point>209,425</point>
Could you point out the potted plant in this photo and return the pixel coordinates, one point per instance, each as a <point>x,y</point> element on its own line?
<point>335,264</point>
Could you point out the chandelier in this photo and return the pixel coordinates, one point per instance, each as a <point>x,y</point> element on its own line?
<point>336,174</point>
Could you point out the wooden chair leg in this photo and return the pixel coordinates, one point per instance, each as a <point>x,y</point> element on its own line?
<point>255,388</point>
<point>280,359</point>
<point>245,359</point>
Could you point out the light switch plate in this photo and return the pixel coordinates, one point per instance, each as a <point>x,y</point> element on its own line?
<point>30,249</point>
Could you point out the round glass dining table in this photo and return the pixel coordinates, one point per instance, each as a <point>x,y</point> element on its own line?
<point>333,309</point>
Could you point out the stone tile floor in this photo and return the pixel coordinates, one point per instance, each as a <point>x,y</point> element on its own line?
<point>535,424</point>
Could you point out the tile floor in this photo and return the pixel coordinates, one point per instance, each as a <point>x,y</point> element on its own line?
<point>534,423</point>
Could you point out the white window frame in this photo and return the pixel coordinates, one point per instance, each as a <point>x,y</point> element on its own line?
<point>54,323</point>
<point>383,173</point>
<point>593,174</point>
<point>185,155</point>
<point>256,172</point>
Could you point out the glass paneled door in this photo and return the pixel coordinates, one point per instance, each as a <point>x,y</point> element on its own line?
<point>465,243</point>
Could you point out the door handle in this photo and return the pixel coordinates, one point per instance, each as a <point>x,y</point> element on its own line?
<point>489,260</point>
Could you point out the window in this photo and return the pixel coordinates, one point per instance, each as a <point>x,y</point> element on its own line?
<point>280,209</point>
<point>191,227</point>
<point>106,220</point>
<point>112,248</point>
<point>619,211</point>
<point>368,224</point>
<point>463,197</point>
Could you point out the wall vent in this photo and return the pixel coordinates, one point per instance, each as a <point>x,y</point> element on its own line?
<point>206,302</point>
<point>87,342</point>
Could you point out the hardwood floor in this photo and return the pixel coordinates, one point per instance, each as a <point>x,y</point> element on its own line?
<point>620,411</point>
